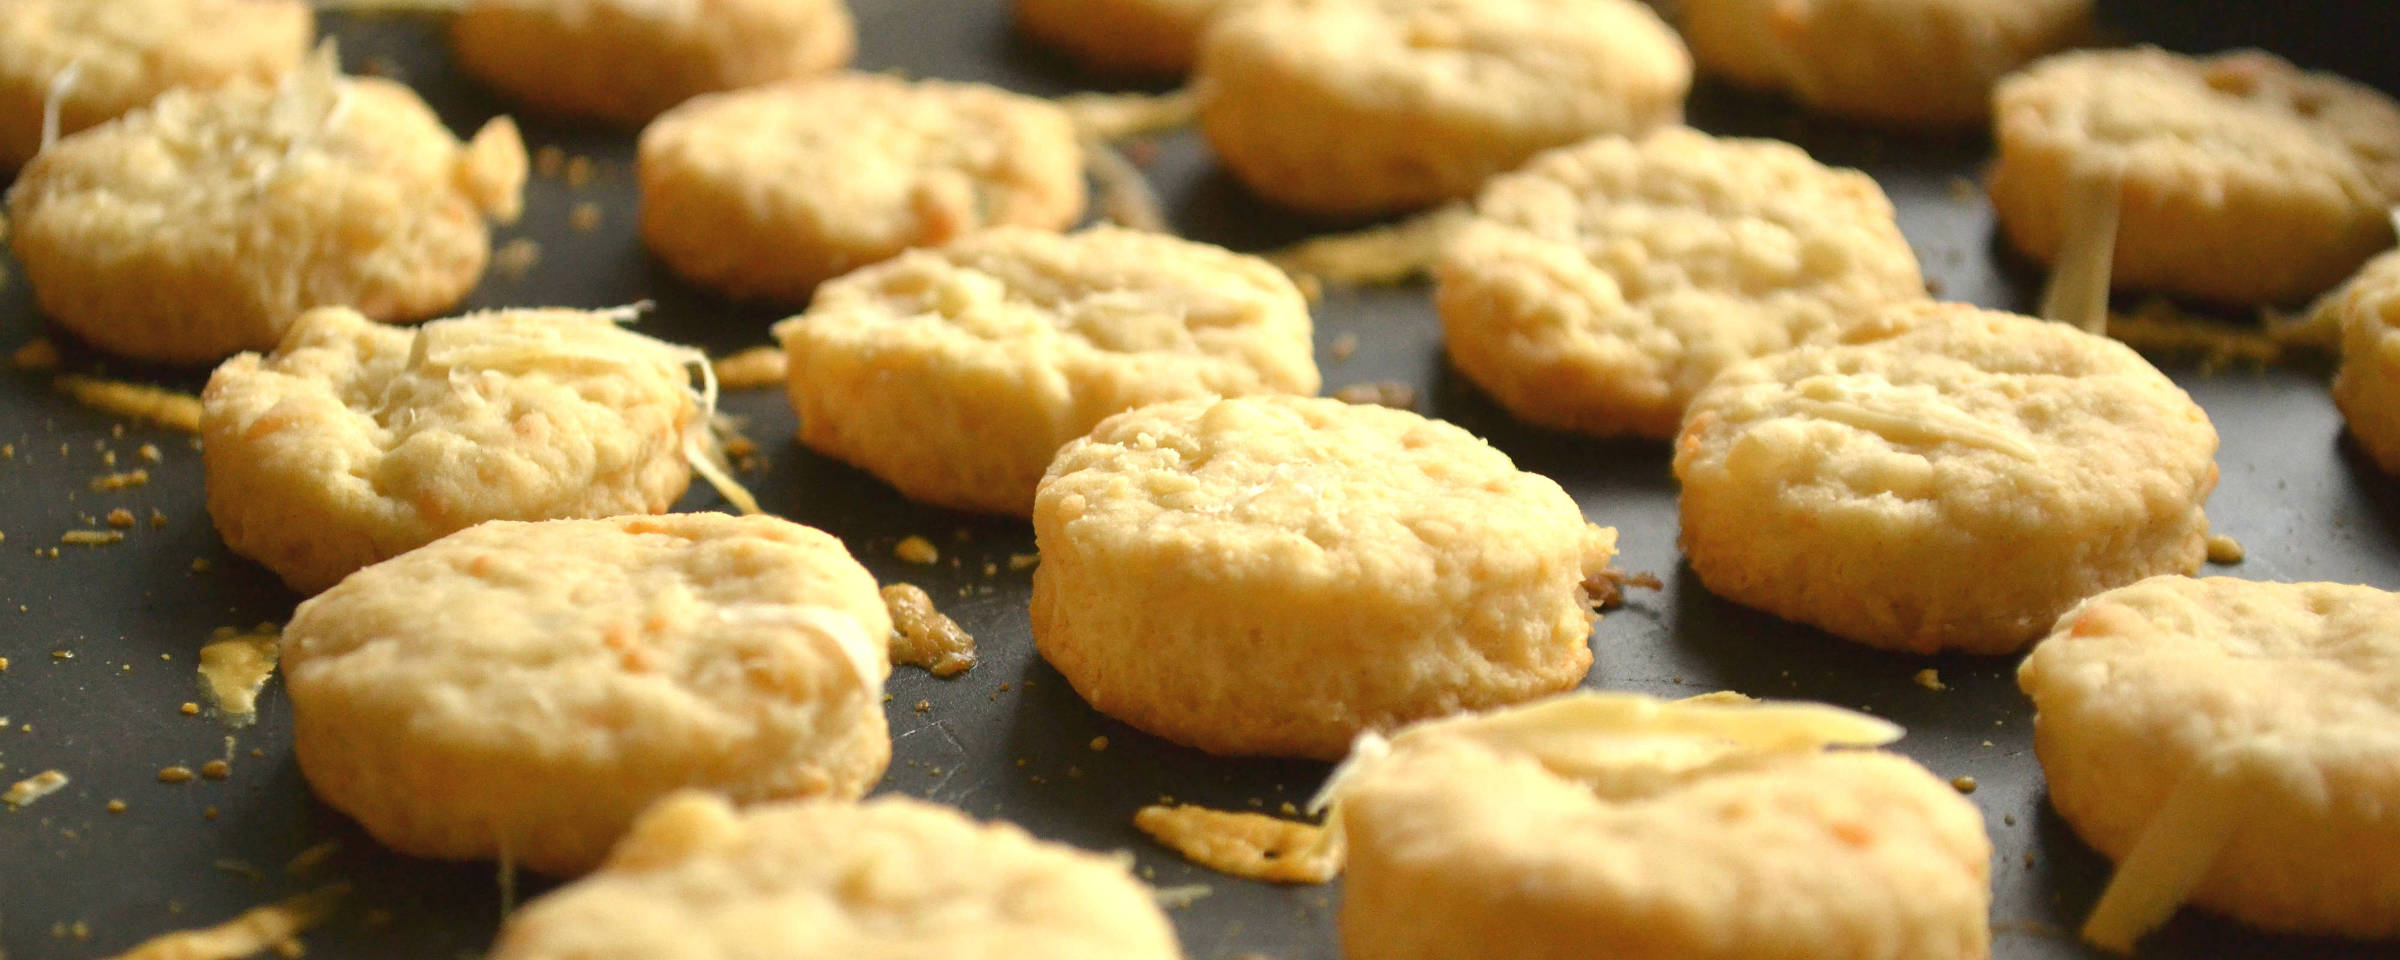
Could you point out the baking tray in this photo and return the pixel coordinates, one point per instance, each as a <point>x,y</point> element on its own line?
<point>1010,739</point>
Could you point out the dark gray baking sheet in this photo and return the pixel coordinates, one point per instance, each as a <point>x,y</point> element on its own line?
<point>133,614</point>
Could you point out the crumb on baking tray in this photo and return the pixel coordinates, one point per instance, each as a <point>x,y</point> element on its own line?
<point>1249,845</point>
<point>1381,393</point>
<point>1931,679</point>
<point>275,926</point>
<point>234,666</point>
<point>30,789</point>
<point>584,216</point>
<point>917,550</point>
<point>119,481</point>
<point>141,401</point>
<point>1607,588</point>
<point>517,257</point>
<point>752,369</point>
<point>2223,549</point>
<point>922,636</point>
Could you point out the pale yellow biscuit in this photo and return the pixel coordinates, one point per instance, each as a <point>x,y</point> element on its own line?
<point>769,191</point>
<point>355,442</point>
<point>1615,825</point>
<point>2244,179</point>
<point>891,879</point>
<point>1357,107</point>
<point>2249,731</point>
<point>1121,36</point>
<point>956,373</point>
<point>2367,389</point>
<point>1911,63</point>
<point>1274,575</point>
<point>95,59</point>
<point>1603,284</point>
<point>625,61</point>
<point>201,225</point>
<point>1953,487</point>
<point>523,690</point>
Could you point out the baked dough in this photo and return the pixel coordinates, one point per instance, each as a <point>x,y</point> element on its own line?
<point>625,61</point>
<point>1914,64</point>
<point>75,64</point>
<point>2367,388</point>
<point>1154,37</point>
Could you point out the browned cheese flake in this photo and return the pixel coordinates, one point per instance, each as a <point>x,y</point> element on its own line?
<point>922,636</point>
<point>1249,845</point>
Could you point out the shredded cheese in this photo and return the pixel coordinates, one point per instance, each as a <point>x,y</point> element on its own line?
<point>33,788</point>
<point>1378,255</point>
<point>1925,422</point>
<point>164,407</point>
<point>256,929</point>
<point>2078,289</point>
<point>54,102</point>
<point>2181,841</point>
<point>1118,116</point>
<point>1126,198</point>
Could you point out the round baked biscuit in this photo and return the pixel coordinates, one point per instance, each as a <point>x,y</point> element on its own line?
<point>956,373</point>
<point>894,877</point>
<point>626,61</point>
<point>1613,825</point>
<point>523,690</point>
<point>1953,487</point>
<point>2367,388</point>
<point>1155,37</point>
<point>355,442</point>
<point>768,192</point>
<point>2243,179</point>
<point>1360,107</point>
<point>202,224</point>
<point>1601,285</point>
<point>1909,63</point>
<point>95,60</point>
<point>2270,710</point>
<point>1273,575</point>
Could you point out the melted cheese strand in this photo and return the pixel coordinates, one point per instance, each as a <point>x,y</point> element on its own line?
<point>1126,197</point>
<point>54,102</point>
<point>1119,116</point>
<point>1376,256</point>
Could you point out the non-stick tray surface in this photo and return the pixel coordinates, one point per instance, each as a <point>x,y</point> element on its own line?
<point>101,641</point>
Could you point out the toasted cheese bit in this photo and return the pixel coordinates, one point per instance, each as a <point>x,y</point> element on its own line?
<point>307,861</point>
<point>922,636</point>
<point>256,929</point>
<point>1117,116</point>
<point>33,788</point>
<point>579,172</point>
<point>164,407</point>
<point>1177,898</point>
<point>119,481</point>
<point>37,354</point>
<point>1249,845</point>
<point>548,161</point>
<point>148,452</point>
<point>917,550</point>
<point>1931,679</point>
<point>234,667</point>
<point>1125,196</point>
<point>1379,255</point>
<point>2225,550</point>
<point>2078,290</point>
<point>1099,744</point>
<point>1963,784</point>
<point>752,369</point>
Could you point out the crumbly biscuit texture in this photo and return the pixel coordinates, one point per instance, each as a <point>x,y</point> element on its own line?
<point>1121,36</point>
<point>96,60</point>
<point>770,191</point>
<point>1301,570</point>
<point>2283,696</point>
<point>956,373</point>
<point>203,224</point>
<point>1616,825</point>
<point>2243,179</point>
<point>1603,284</point>
<point>1909,63</point>
<point>626,61</point>
<point>355,441</point>
<point>890,879</point>
<point>1360,107</point>
<point>2367,389</point>
<point>524,690</point>
<point>1954,486</point>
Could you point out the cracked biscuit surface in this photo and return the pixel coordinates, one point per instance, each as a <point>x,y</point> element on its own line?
<point>1362,107</point>
<point>1607,824</point>
<point>888,879</point>
<point>1273,575</point>
<point>100,59</point>
<point>1603,284</point>
<point>2271,710</point>
<point>1909,63</point>
<point>2243,179</point>
<point>202,224</point>
<point>523,690</point>
<point>355,441</point>
<point>1121,36</point>
<point>770,191</point>
<point>1955,486</point>
<point>625,61</point>
<point>956,373</point>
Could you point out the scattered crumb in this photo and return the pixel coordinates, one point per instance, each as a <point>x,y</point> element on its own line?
<point>119,481</point>
<point>33,788</point>
<point>1249,845</point>
<point>259,928</point>
<point>307,861</point>
<point>1963,784</point>
<point>116,806</point>
<point>233,667</point>
<point>1344,346</point>
<point>579,172</point>
<point>751,369</point>
<point>1099,743</point>
<point>917,550</point>
<point>548,161</point>
<point>141,401</point>
<point>1377,255</point>
<point>149,453</point>
<point>924,706</point>
<point>1963,190</point>
<point>1023,561</point>
<point>201,565</point>
<point>1118,116</point>
<point>1381,393</point>
<point>584,216</point>
<point>37,354</point>
<point>158,521</point>
<point>2225,550</point>
<point>517,257</point>
<point>2008,819</point>
<point>175,774</point>
<point>190,709</point>
<point>92,538</point>
<point>1177,898</point>
<point>922,636</point>
<point>3,667</point>
<point>1931,679</point>
<point>1607,589</point>
<point>216,769</point>
<point>120,518</point>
